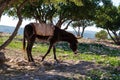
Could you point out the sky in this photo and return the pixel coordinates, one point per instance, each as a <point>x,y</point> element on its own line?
<point>116,2</point>
<point>9,21</point>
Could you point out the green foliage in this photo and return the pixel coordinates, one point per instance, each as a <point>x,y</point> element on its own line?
<point>108,17</point>
<point>101,75</point>
<point>101,35</point>
<point>40,11</point>
<point>46,9</point>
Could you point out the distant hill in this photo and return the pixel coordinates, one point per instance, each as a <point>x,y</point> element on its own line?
<point>87,34</point>
<point>10,29</point>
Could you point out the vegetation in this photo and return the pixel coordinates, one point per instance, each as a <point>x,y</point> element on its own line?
<point>107,17</point>
<point>100,54</point>
<point>101,35</point>
<point>81,24</point>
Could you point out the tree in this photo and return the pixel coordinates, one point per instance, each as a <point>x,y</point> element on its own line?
<point>66,13</point>
<point>108,17</point>
<point>72,12</point>
<point>83,24</point>
<point>40,12</point>
<point>83,15</point>
<point>17,26</point>
<point>101,35</point>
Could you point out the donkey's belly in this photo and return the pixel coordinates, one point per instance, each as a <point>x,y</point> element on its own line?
<point>43,38</point>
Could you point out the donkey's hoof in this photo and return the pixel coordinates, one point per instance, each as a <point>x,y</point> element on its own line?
<point>57,61</point>
<point>42,60</point>
<point>32,64</point>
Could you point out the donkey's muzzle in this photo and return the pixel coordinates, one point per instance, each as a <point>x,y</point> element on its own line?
<point>75,52</point>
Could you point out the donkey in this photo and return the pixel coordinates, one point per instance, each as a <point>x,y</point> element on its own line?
<point>58,35</point>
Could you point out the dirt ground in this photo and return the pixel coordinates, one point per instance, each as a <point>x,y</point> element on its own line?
<point>17,68</point>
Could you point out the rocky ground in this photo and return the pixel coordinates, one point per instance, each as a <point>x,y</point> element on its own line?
<point>17,68</point>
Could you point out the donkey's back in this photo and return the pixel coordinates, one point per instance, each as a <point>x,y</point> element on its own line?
<point>43,29</point>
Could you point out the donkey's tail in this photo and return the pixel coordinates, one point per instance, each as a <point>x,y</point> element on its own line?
<point>24,40</point>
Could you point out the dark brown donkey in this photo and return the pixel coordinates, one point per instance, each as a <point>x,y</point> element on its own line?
<point>58,35</point>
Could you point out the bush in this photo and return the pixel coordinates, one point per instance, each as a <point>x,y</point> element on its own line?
<point>101,35</point>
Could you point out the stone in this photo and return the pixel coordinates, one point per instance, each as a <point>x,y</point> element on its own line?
<point>2,58</point>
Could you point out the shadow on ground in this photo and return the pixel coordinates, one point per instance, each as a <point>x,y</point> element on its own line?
<point>66,70</point>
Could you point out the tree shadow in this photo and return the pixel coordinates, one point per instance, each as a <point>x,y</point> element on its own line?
<point>80,67</point>
<point>49,71</point>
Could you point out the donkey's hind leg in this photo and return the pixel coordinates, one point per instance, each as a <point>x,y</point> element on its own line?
<point>29,48</point>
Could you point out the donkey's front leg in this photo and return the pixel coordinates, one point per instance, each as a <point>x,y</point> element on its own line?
<point>54,52</point>
<point>47,52</point>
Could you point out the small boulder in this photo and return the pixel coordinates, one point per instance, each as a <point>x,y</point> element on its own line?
<point>2,58</point>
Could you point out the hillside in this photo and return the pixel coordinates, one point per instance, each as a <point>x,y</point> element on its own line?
<point>10,29</point>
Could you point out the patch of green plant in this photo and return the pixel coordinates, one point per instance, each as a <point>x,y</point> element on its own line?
<point>108,74</point>
<point>101,35</point>
<point>98,49</point>
<point>39,48</point>
<point>15,45</point>
<point>3,39</point>
<point>95,74</point>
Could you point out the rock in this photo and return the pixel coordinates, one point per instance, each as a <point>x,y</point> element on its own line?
<point>2,58</point>
<point>32,64</point>
<point>45,63</point>
<point>22,63</point>
<point>117,69</point>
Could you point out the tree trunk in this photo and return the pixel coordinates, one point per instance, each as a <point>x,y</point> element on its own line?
<point>75,31</point>
<point>115,41</point>
<point>60,22</point>
<point>17,26</point>
<point>110,35</point>
<point>78,32</point>
<point>116,37</point>
<point>83,29</point>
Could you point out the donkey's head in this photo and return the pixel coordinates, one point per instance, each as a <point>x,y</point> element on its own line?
<point>73,45</point>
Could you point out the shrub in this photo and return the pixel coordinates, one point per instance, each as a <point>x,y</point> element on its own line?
<point>101,35</point>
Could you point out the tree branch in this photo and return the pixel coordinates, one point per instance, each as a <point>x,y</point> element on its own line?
<point>67,25</point>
